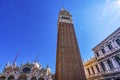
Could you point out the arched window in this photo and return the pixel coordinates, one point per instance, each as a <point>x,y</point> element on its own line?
<point>26,70</point>
<point>2,78</point>
<point>33,78</point>
<point>103,66</point>
<point>103,51</point>
<point>97,54</point>
<point>110,64</point>
<point>117,59</point>
<point>11,77</point>
<point>118,41</point>
<point>110,47</point>
<point>41,78</point>
<point>22,77</point>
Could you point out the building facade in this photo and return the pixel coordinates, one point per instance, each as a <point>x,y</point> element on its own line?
<point>28,71</point>
<point>106,63</point>
<point>69,64</point>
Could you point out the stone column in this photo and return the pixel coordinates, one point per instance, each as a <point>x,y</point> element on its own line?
<point>106,49</point>
<point>45,78</point>
<point>114,62</point>
<point>91,72</point>
<point>115,45</point>
<point>28,78</point>
<point>95,69</point>
<point>100,68</point>
<point>86,72</point>
<point>100,52</point>
<point>106,65</point>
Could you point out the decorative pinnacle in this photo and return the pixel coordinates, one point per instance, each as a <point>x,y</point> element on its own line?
<point>62,9</point>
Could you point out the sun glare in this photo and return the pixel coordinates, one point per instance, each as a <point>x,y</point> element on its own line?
<point>119,2</point>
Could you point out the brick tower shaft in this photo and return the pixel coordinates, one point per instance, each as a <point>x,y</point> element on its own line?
<point>69,64</point>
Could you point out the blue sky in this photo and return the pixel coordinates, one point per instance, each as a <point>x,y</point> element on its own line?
<point>31,26</point>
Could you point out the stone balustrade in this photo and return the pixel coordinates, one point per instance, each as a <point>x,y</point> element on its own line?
<point>115,70</point>
<point>108,53</point>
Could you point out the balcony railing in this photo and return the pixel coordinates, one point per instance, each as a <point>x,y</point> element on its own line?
<point>108,53</point>
<point>112,71</point>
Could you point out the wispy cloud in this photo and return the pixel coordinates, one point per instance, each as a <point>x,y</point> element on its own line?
<point>110,8</point>
<point>103,14</point>
<point>107,1</point>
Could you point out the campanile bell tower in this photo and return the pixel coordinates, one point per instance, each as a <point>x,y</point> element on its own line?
<point>69,64</point>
